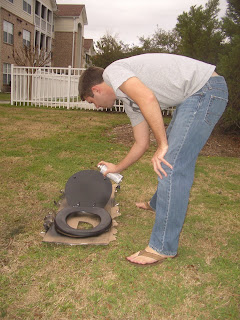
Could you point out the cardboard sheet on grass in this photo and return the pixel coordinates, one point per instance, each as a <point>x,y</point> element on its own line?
<point>103,239</point>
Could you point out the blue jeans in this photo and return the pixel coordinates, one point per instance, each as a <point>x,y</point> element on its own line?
<point>190,128</point>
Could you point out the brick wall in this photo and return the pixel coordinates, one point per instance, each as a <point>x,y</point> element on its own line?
<point>6,54</point>
<point>62,54</point>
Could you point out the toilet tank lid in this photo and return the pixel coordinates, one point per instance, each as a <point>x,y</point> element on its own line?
<point>88,188</point>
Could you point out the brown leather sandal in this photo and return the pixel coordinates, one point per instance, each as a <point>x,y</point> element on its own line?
<point>144,253</point>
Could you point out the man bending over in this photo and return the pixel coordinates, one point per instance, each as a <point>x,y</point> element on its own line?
<point>147,84</point>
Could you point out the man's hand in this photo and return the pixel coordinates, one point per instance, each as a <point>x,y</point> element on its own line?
<point>111,168</point>
<point>157,159</point>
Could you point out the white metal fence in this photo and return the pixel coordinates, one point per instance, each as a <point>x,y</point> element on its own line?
<point>51,87</point>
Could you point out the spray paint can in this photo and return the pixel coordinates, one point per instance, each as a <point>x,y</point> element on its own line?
<point>116,177</point>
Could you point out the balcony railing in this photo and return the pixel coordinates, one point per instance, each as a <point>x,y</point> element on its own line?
<point>37,21</point>
<point>49,28</point>
<point>43,24</point>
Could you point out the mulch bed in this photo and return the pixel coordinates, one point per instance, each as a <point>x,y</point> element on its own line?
<point>218,144</point>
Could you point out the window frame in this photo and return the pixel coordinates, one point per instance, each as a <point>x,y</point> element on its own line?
<point>44,12</point>
<point>8,36</point>
<point>38,8</point>
<point>27,6</point>
<point>49,16</point>
<point>7,73</point>
<point>26,42</point>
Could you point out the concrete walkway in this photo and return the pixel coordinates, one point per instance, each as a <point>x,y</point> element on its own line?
<point>5,101</point>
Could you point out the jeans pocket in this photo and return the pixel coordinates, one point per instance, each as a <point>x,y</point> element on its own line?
<point>215,110</point>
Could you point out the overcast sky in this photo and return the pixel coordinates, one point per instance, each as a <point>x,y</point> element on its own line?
<point>130,19</point>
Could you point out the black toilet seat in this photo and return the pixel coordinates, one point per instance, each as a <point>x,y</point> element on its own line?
<point>86,191</point>
<point>63,227</point>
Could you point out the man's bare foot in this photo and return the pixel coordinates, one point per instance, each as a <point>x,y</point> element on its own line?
<point>147,257</point>
<point>144,206</point>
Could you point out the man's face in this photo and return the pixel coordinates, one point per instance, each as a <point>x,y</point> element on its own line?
<point>103,97</point>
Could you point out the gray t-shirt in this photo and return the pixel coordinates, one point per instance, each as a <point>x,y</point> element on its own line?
<point>172,78</point>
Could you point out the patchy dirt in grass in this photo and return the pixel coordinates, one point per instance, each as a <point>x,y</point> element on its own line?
<point>23,129</point>
<point>217,145</point>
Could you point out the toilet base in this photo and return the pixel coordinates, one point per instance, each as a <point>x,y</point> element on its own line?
<point>52,236</point>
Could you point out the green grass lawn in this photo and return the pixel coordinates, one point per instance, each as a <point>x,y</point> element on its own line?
<point>5,96</point>
<point>40,149</point>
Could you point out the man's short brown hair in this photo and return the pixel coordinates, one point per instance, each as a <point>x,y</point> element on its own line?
<point>88,79</point>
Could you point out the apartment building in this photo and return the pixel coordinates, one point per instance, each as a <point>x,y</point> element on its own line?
<point>69,35</point>
<point>43,25</point>
<point>23,22</point>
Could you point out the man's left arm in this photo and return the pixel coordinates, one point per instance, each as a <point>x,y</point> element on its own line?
<point>151,111</point>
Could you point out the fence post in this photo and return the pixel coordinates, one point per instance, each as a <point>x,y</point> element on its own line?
<point>12,84</point>
<point>69,87</point>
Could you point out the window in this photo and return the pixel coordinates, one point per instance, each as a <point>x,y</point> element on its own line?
<point>6,73</point>
<point>48,44</point>
<point>43,13</point>
<point>7,32</point>
<point>37,8</point>
<point>42,41</point>
<point>37,39</point>
<point>87,58</point>
<point>49,16</point>
<point>27,6</point>
<point>26,38</point>
<point>10,1</point>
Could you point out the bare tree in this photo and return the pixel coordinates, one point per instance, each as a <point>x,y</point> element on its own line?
<point>28,56</point>
<point>31,57</point>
